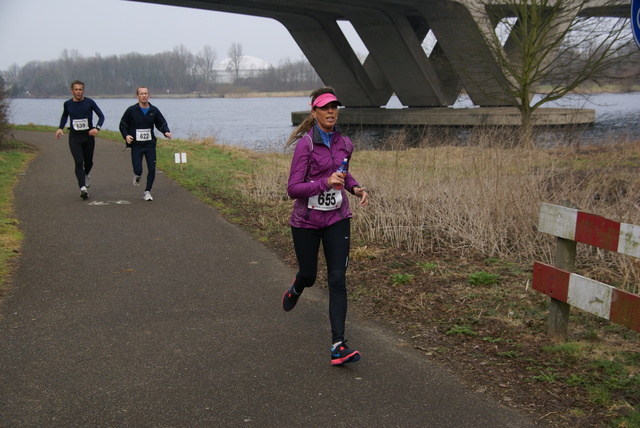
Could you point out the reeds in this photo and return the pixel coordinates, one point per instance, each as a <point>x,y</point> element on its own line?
<point>485,197</point>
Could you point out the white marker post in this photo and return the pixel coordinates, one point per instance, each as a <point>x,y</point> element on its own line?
<point>180,158</point>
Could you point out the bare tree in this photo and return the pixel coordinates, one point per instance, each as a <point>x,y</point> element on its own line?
<point>11,77</point>
<point>4,112</point>
<point>205,61</point>
<point>552,42</point>
<point>236,57</point>
<point>181,69</point>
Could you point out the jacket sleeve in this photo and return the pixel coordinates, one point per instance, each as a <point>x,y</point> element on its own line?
<point>298,187</point>
<point>161,123</point>
<point>98,112</point>
<point>125,123</point>
<point>64,117</point>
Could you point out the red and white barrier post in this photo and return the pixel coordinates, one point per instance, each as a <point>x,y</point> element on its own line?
<point>567,289</point>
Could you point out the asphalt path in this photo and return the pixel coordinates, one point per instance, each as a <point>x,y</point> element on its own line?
<point>126,313</point>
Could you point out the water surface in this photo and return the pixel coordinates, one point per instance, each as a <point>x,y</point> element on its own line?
<point>266,122</point>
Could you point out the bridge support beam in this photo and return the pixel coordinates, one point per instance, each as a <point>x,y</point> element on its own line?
<point>461,31</point>
<point>325,46</point>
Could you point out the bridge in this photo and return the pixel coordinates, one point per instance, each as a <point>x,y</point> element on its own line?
<point>393,32</point>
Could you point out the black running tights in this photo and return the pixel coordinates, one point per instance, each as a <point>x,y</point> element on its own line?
<point>148,151</point>
<point>82,147</point>
<point>335,242</point>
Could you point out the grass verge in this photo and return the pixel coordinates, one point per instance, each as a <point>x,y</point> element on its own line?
<point>14,156</point>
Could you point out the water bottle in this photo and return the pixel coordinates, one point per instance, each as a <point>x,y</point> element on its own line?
<point>342,169</point>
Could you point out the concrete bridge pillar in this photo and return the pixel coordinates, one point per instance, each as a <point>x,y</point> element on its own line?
<point>325,46</point>
<point>461,30</point>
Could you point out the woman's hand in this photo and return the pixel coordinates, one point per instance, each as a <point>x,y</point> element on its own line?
<point>337,178</point>
<point>361,192</point>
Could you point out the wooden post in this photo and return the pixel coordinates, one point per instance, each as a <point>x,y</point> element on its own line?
<point>559,310</point>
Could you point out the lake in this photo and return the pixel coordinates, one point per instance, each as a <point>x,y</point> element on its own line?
<point>259,123</point>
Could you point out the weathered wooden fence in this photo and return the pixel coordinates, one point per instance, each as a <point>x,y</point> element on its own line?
<point>568,289</point>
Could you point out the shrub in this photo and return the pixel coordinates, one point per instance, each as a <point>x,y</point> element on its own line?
<point>4,112</point>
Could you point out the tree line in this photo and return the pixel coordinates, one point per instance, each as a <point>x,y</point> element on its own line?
<point>177,71</point>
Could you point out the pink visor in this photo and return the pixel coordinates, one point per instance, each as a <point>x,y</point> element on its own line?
<point>325,99</point>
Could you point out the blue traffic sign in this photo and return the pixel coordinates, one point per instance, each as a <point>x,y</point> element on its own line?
<point>635,20</point>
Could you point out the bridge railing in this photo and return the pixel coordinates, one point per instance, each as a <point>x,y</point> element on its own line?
<point>566,288</point>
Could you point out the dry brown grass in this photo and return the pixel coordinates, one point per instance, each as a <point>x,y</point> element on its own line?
<point>486,199</point>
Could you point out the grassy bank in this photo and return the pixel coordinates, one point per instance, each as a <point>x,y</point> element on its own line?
<point>444,253</point>
<point>13,159</point>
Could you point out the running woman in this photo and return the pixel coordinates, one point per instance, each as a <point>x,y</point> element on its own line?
<point>136,127</point>
<point>321,212</point>
<point>79,110</point>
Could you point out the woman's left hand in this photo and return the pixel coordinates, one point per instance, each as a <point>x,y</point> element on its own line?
<point>361,192</point>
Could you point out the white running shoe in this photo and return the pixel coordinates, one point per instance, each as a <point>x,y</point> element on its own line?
<point>136,180</point>
<point>147,196</point>
<point>83,192</point>
<point>87,181</point>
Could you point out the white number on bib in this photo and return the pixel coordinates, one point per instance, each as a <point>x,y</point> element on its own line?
<point>143,134</point>
<point>80,124</point>
<point>327,201</point>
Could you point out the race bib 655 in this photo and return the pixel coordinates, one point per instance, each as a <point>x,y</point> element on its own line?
<point>327,201</point>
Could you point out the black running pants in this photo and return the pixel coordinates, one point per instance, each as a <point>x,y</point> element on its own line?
<point>82,146</point>
<point>148,151</point>
<point>335,241</point>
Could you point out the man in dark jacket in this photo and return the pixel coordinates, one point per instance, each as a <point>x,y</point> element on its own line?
<point>136,127</point>
<point>79,110</point>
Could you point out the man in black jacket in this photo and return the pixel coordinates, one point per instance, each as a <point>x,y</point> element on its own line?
<point>79,110</point>
<point>136,127</point>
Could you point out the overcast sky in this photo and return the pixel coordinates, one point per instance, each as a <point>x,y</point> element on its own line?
<point>42,29</point>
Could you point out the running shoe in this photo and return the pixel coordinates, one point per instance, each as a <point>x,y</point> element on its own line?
<point>87,181</point>
<point>342,354</point>
<point>136,180</point>
<point>83,193</point>
<point>147,196</point>
<point>289,299</point>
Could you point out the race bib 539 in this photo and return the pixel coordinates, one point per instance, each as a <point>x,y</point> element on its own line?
<point>80,124</point>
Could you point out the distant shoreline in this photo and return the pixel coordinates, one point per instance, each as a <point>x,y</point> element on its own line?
<point>283,94</point>
<point>296,94</point>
